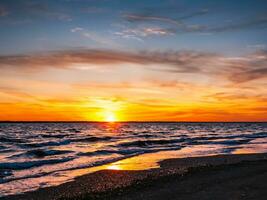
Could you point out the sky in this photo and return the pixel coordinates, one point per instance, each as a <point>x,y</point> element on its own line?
<point>129,60</point>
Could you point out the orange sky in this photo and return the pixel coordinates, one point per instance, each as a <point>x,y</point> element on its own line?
<point>130,87</point>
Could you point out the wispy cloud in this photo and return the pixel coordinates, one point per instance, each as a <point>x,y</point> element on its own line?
<point>76,29</point>
<point>252,67</point>
<point>180,62</point>
<point>247,74</point>
<point>141,18</point>
<point>139,33</point>
<point>174,24</point>
<point>238,96</point>
<point>179,24</point>
<point>137,17</point>
<point>91,35</point>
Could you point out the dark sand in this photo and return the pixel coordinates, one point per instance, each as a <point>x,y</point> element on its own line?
<point>213,177</point>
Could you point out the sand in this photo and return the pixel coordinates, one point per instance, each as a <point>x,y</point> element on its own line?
<point>212,177</point>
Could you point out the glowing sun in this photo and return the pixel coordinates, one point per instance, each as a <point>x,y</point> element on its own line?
<point>110,117</point>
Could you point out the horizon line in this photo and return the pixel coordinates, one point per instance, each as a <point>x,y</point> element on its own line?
<point>84,121</point>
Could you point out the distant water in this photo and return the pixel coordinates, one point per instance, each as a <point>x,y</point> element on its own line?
<point>34,155</point>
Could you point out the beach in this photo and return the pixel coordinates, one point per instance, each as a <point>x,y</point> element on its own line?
<point>240,176</point>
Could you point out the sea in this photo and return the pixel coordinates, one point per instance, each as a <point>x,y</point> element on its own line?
<point>37,155</point>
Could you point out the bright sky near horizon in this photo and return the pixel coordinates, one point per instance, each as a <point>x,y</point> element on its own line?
<point>126,60</point>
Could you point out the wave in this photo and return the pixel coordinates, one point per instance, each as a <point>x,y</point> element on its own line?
<point>91,139</point>
<point>41,153</point>
<point>222,142</point>
<point>73,130</point>
<point>54,136</point>
<point>43,144</point>
<point>11,140</point>
<point>2,147</point>
<point>4,173</point>
<point>30,164</point>
<point>147,143</point>
<point>87,165</point>
<point>213,136</point>
<point>108,152</point>
<point>257,135</point>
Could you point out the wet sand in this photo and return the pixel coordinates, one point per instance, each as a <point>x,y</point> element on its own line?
<point>212,177</point>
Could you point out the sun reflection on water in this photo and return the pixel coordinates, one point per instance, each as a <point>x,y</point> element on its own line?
<point>114,167</point>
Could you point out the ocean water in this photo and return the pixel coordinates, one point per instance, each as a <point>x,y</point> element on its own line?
<point>34,155</point>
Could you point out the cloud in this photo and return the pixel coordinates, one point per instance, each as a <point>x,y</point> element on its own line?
<point>180,62</point>
<point>245,69</point>
<point>17,93</point>
<point>142,18</point>
<point>147,85</point>
<point>257,22</point>
<point>174,24</point>
<point>178,24</point>
<point>237,96</point>
<point>248,75</point>
<point>93,36</point>
<point>136,17</point>
<point>3,11</point>
<point>76,29</point>
<point>139,33</point>
<point>236,69</point>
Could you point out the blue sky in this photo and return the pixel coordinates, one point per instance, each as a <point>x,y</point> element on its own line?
<point>229,27</point>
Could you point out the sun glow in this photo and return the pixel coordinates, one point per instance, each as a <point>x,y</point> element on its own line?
<point>110,117</point>
<point>106,110</point>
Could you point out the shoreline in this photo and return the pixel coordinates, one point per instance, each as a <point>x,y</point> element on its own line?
<point>127,184</point>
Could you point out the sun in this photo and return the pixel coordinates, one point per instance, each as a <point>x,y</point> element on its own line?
<point>110,117</point>
<point>107,111</point>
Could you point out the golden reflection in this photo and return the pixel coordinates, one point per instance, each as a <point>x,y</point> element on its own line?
<point>151,160</point>
<point>112,127</point>
<point>114,167</point>
<point>141,162</point>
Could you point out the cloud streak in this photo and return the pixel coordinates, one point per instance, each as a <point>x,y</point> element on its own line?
<point>180,25</point>
<point>236,69</point>
<point>183,61</point>
<point>93,36</point>
<point>135,17</point>
<point>249,68</point>
<point>142,18</point>
<point>139,33</point>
